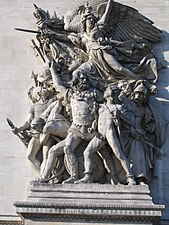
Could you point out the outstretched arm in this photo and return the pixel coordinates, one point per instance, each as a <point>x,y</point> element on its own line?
<point>106,14</point>
<point>27,124</point>
<point>57,82</point>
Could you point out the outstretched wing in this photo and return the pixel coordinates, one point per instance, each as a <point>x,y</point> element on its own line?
<point>127,23</point>
<point>72,20</point>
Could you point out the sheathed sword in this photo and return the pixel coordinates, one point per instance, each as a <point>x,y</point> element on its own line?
<point>148,142</point>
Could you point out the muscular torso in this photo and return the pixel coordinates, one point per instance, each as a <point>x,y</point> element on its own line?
<point>40,107</point>
<point>81,109</point>
<point>106,118</point>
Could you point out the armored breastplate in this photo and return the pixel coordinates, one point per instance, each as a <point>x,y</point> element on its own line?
<point>81,112</point>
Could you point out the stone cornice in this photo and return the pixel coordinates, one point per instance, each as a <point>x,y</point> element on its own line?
<point>89,202</point>
<point>92,206</point>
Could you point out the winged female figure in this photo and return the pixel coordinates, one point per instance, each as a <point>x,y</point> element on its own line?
<point>118,41</point>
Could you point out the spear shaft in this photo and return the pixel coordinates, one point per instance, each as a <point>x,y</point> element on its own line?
<point>28,31</point>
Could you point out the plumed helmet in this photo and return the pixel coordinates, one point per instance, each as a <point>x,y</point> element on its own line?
<point>141,88</point>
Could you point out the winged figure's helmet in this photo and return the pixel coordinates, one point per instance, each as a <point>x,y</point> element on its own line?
<point>88,13</point>
<point>88,9</point>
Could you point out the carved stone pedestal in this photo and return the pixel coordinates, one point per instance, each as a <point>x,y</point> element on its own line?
<point>89,204</point>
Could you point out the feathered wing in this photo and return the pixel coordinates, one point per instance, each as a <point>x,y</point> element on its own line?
<point>126,23</point>
<point>72,21</point>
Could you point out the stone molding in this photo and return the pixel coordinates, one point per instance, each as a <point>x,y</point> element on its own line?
<point>79,202</point>
<point>11,222</point>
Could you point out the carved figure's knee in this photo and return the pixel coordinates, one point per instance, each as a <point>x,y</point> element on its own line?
<point>46,129</point>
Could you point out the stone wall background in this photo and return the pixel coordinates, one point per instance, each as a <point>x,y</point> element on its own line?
<point>17,61</point>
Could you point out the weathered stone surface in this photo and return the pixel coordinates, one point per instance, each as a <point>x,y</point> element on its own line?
<point>14,80</point>
<point>89,204</point>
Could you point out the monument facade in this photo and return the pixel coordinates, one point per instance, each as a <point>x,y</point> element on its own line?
<point>97,117</point>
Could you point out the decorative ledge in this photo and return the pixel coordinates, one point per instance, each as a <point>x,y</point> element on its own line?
<point>89,202</point>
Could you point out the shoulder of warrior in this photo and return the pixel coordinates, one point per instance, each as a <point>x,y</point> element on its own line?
<point>102,108</point>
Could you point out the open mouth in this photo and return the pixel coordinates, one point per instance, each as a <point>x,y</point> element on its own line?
<point>137,100</point>
<point>83,85</point>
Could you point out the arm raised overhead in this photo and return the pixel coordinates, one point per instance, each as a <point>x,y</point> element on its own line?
<point>106,14</point>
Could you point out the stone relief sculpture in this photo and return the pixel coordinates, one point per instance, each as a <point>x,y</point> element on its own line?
<point>41,99</point>
<point>92,111</point>
<point>143,137</point>
<point>108,128</point>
